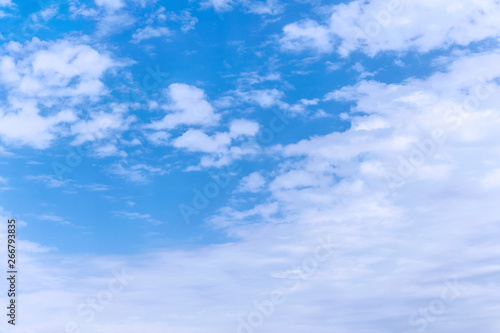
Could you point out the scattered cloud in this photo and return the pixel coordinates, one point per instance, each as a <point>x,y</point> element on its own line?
<point>187,105</point>
<point>253,183</point>
<point>137,216</point>
<point>150,32</point>
<point>139,173</point>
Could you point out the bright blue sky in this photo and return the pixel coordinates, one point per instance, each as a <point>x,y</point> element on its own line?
<point>113,113</point>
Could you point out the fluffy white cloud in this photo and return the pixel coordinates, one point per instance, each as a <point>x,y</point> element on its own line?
<point>243,127</point>
<point>395,25</point>
<point>222,147</point>
<point>188,105</point>
<point>198,141</point>
<point>38,77</point>
<point>253,183</point>
<point>307,34</point>
<point>24,125</point>
<point>62,68</point>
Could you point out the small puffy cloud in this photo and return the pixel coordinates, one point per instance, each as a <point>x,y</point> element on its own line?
<point>220,148</point>
<point>305,35</point>
<point>150,32</point>
<point>243,127</point>
<point>188,105</point>
<point>253,183</point>
<point>198,141</point>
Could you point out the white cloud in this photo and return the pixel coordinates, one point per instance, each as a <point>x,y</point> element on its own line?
<point>25,125</point>
<point>221,147</point>
<point>265,98</point>
<point>198,141</point>
<point>267,7</point>
<point>159,138</point>
<point>53,218</point>
<point>113,22</point>
<point>187,21</point>
<point>137,216</point>
<point>438,224</point>
<point>107,149</point>
<point>49,180</point>
<point>390,247</point>
<point>110,4</point>
<point>139,173</point>
<point>307,34</point>
<point>251,78</point>
<point>188,105</point>
<point>38,76</point>
<point>219,5</point>
<point>102,125</point>
<point>380,25</point>
<point>253,183</point>
<point>6,3</point>
<point>243,127</point>
<point>150,32</point>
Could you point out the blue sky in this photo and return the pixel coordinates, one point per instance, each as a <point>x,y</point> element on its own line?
<point>213,149</point>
